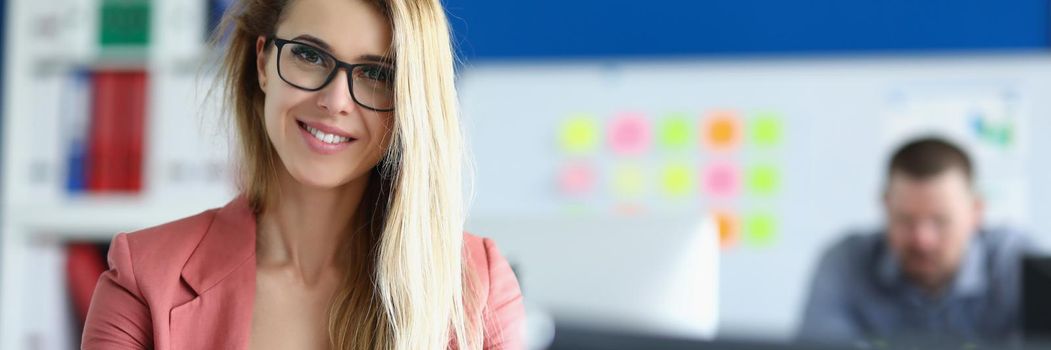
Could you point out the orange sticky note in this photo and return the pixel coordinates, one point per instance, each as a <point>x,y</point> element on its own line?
<point>629,134</point>
<point>722,130</point>
<point>729,228</point>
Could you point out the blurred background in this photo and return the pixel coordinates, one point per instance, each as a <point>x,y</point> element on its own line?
<point>662,166</point>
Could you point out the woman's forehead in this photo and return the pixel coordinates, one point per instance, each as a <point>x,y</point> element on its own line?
<point>351,28</point>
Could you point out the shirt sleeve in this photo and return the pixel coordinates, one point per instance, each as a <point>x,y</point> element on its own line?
<point>828,316</point>
<point>504,313</point>
<point>118,317</point>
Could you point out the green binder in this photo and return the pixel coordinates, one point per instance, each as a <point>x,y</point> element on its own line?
<point>124,23</point>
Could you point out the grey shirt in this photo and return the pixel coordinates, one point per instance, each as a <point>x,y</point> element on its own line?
<point>860,293</point>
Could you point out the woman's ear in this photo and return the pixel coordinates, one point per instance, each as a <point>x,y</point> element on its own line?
<point>260,61</point>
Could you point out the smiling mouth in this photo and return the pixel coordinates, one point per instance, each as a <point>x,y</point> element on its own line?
<point>325,137</point>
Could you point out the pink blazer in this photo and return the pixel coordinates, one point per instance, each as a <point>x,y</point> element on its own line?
<point>190,284</point>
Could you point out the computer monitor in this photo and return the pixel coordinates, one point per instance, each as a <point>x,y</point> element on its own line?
<point>643,273</point>
<point>1036,297</point>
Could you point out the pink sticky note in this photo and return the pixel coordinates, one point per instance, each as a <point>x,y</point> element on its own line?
<point>722,180</point>
<point>629,134</point>
<point>576,179</point>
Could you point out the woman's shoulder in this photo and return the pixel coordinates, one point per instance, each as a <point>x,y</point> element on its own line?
<point>500,296</point>
<point>491,273</point>
<point>173,235</point>
<point>159,249</point>
<point>484,257</point>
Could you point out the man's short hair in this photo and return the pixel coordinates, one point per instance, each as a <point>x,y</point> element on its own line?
<point>928,157</point>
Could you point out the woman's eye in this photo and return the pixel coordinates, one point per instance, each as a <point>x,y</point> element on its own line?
<point>308,55</point>
<point>377,73</point>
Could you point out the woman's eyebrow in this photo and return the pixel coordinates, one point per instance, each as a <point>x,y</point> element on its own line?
<point>325,46</point>
<point>377,59</point>
<point>314,40</point>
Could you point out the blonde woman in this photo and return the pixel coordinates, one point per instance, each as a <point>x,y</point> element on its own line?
<point>349,230</point>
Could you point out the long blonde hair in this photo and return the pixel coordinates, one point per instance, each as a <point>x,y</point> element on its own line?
<point>409,288</point>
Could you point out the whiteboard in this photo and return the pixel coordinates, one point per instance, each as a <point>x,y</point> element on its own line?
<point>789,151</point>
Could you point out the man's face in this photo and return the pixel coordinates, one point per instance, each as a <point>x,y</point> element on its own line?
<point>930,224</point>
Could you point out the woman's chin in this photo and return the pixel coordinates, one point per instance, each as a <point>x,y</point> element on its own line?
<point>320,179</point>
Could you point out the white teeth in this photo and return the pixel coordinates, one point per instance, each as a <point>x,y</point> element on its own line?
<point>326,138</point>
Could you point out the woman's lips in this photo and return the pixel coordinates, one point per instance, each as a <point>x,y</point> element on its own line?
<point>323,142</point>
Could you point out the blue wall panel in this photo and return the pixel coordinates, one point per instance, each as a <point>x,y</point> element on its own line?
<point>488,29</point>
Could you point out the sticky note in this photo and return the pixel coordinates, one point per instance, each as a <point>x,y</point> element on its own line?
<point>722,179</point>
<point>675,179</point>
<point>579,134</point>
<point>628,181</point>
<point>763,180</point>
<point>761,229</point>
<point>576,179</point>
<point>729,228</point>
<point>675,132</point>
<point>767,129</point>
<point>629,134</point>
<point>722,130</point>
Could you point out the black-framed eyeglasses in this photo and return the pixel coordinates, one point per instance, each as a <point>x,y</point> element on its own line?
<point>310,68</point>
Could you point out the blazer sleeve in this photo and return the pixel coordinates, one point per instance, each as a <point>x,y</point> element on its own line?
<point>504,313</point>
<point>118,317</point>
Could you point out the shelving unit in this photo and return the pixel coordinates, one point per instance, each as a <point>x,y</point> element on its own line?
<point>186,167</point>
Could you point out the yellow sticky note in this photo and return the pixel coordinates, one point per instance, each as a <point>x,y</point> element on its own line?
<point>767,130</point>
<point>675,131</point>
<point>628,181</point>
<point>579,134</point>
<point>761,229</point>
<point>763,180</point>
<point>676,180</point>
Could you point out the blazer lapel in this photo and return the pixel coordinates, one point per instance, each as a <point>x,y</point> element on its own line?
<point>221,271</point>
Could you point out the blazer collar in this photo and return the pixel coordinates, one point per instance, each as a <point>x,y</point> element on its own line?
<point>229,241</point>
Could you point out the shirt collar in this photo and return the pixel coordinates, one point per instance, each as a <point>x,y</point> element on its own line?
<point>971,278</point>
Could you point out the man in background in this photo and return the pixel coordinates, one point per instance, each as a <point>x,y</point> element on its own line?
<point>933,273</point>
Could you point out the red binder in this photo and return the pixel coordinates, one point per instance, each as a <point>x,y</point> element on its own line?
<point>84,265</point>
<point>115,146</point>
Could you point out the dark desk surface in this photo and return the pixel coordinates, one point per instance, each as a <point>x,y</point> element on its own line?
<point>578,338</point>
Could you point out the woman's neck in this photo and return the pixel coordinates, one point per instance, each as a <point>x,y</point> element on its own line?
<point>304,228</point>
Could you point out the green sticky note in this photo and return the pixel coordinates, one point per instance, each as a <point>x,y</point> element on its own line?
<point>628,181</point>
<point>579,134</point>
<point>761,229</point>
<point>675,132</point>
<point>767,130</point>
<point>763,180</point>
<point>675,180</point>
